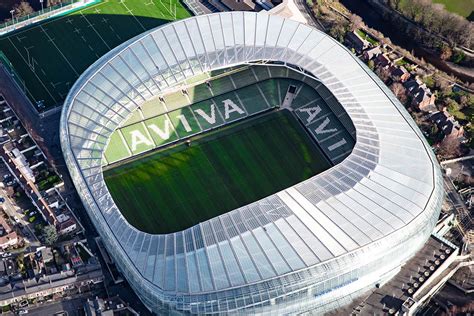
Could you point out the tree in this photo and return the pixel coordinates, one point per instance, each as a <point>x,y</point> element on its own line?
<point>339,29</point>
<point>383,73</point>
<point>371,65</point>
<point>50,235</point>
<point>446,52</point>
<point>399,91</point>
<point>450,147</point>
<point>463,101</point>
<point>23,8</point>
<point>356,22</point>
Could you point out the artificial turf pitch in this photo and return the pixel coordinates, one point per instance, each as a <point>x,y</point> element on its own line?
<point>48,57</point>
<point>178,187</point>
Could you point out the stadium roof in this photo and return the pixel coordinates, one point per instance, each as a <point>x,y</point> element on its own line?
<point>387,187</point>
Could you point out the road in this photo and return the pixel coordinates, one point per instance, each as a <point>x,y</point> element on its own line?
<point>69,307</point>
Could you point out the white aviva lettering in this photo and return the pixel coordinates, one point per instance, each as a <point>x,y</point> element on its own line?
<point>210,119</point>
<point>163,134</point>
<point>137,138</point>
<point>338,144</point>
<point>185,123</point>
<point>312,113</point>
<point>321,128</point>
<point>230,107</point>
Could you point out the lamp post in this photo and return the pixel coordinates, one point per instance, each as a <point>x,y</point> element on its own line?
<point>41,1</point>
<point>13,18</point>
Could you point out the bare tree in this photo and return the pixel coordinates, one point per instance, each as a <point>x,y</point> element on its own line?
<point>339,29</point>
<point>399,91</point>
<point>355,22</point>
<point>464,101</point>
<point>383,73</point>
<point>450,147</point>
<point>446,52</point>
<point>23,8</point>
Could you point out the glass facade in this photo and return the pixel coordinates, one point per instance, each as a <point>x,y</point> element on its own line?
<point>311,247</point>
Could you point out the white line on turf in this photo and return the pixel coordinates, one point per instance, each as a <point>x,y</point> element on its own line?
<point>37,77</point>
<point>60,52</point>
<point>130,11</point>
<point>85,18</point>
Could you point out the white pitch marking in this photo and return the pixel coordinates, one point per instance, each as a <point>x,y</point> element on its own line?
<point>85,18</point>
<point>67,61</point>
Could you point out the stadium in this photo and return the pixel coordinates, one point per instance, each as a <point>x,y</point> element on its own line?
<point>246,163</point>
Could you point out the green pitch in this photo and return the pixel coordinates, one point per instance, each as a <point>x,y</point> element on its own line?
<point>464,8</point>
<point>178,187</point>
<point>50,56</point>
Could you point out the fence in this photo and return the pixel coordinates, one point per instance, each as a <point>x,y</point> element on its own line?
<point>64,7</point>
<point>11,70</point>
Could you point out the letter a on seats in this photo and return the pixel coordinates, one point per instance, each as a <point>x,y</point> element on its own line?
<point>312,113</point>
<point>230,107</point>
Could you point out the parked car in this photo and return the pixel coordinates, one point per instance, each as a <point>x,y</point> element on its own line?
<point>2,199</point>
<point>10,182</point>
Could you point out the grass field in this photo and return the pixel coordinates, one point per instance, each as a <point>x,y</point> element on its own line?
<point>464,8</point>
<point>178,187</point>
<point>50,56</point>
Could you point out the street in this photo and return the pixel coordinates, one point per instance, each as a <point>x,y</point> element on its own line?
<point>69,307</point>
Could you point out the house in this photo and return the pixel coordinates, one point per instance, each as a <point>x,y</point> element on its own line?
<point>369,54</point>
<point>422,97</point>
<point>382,61</point>
<point>448,124</point>
<point>20,161</point>
<point>425,100</point>
<point>8,237</point>
<point>353,40</point>
<point>46,254</point>
<point>400,72</point>
<point>66,224</point>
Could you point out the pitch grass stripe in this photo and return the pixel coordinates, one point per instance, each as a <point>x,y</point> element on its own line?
<point>229,170</point>
<point>229,200</point>
<point>284,174</point>
<point>198,192</point>
<point>276,176</point>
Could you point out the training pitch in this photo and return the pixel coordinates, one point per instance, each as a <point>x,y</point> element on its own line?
<point>180,186</point>
<point>50,56</point>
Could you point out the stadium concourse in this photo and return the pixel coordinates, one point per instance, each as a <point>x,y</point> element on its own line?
<point>309,247</point>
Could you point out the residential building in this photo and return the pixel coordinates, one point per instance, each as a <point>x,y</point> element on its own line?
<point>369,54</point>
<point>8,237</point>
<point>448,124</point>
<point>353,40</point>
<point>422,97</point>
